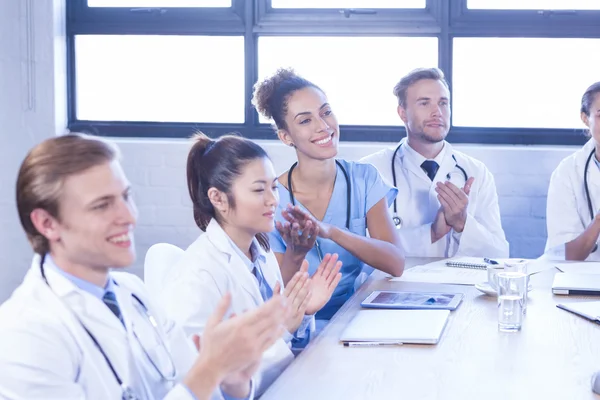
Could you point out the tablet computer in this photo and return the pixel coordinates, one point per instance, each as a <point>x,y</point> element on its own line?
<point>412,300</point>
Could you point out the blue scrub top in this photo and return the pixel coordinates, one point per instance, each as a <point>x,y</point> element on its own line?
<point>367,190</point>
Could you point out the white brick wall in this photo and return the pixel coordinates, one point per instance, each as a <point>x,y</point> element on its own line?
<point>522,175</point>
<point>32,107</point>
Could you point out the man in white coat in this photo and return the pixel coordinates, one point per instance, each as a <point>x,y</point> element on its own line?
<point>74,329</point>
<point>447,203</point>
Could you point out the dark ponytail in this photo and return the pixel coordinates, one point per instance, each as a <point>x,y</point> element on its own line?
<point>203,208</point>
<point>216,163</point>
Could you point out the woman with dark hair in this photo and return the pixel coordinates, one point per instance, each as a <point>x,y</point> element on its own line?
<point>574,193</point>
<point>332,202</point>
<point>233,189</point>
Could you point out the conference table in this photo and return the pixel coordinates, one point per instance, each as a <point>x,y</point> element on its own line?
<point>553,356</point>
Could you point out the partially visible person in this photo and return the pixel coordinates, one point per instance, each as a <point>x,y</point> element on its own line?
<point>572,213</point>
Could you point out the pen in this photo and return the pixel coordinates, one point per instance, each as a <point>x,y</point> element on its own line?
<point>371,344</point>
<point>490,261</point>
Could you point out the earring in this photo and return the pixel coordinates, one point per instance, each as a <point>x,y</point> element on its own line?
<point>292,145</point>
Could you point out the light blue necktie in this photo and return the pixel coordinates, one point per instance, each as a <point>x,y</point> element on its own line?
<point>265,290</point>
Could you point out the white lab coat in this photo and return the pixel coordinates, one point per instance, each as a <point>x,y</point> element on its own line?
<point>567,211</point>
<point>46,354</point>
<point>209,268</point>
<point>417,205</point>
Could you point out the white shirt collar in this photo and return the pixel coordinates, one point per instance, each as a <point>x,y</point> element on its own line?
<point>84,285</point>
<point>418,159</point>
<point>257,252</point>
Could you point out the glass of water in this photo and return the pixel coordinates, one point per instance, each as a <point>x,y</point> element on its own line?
<point>512,287</point>
<point>519,266</point>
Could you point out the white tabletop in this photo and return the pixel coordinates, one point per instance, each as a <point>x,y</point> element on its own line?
<point>552,357</point>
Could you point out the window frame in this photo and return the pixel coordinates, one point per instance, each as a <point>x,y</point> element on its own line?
<point>380,20</point>
<point>550,23</point>
<point>254,18</point>
<point>82,19</point>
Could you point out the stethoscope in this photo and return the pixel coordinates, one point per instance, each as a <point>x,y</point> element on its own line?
<point>587,191</point>
<point>127,392</point>
<point>397,220</point>
<point>348,199</point>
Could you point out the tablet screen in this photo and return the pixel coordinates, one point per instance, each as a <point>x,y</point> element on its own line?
<point>415,299</point>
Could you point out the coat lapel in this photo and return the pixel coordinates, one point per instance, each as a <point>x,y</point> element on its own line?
<point>86,306</point>
<point>80,309</point>
<point>405,163</point>
<point>447,165</point>
<point>236,266</point>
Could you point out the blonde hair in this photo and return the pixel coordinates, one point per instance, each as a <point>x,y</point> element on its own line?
<point>413,77</point>
<point>44,170</point>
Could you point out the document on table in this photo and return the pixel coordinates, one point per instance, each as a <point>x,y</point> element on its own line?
<point>439,272</point>
<point>579,267</point>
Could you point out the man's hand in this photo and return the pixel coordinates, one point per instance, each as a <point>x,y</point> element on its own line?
<point>439,227</point>
<point>454,203</point>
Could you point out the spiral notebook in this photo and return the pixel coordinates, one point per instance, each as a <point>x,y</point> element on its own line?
<point>470,262</point>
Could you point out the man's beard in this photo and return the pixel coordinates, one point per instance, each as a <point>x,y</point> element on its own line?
<point>423,136</point>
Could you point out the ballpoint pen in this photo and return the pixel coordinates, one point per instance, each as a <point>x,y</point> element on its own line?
<point>371,344</point>
<point>490,261</point>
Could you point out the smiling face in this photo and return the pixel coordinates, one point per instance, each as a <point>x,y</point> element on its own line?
<point>96,219</point>
<point>426,112</point>
<point>311,124</point>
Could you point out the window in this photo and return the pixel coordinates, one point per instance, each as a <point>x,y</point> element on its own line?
<point>165,68</point>
<point>347,4</point>
<point>357,73</point>
<point>534,4</point>
<point>159,3</point>
<point>160,78</point>
<point>522,82</point>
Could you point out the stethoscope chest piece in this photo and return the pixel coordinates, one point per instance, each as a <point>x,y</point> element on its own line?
<point>128,393</point>
<point>397,221</point>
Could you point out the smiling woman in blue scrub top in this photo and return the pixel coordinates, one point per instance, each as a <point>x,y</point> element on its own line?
<point>330,203</point>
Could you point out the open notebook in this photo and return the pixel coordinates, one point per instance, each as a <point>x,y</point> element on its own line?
<point>396,326</point>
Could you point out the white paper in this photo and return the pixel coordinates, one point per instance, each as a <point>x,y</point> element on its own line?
<point>579,267</point>
<point>439,272</point>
